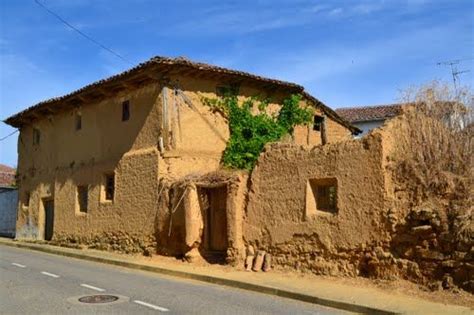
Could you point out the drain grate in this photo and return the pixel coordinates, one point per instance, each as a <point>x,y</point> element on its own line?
<point>94,299</point>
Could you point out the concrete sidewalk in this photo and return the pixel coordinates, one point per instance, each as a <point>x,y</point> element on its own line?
<point>319,291</point>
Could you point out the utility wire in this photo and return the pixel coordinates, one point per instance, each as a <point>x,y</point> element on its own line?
<point>82,33</point>
<point>11,134</point>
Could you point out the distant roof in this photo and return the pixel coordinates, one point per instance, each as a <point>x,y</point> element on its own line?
<point>369,113</point>
<point>7,175</point>
<point>161,67</point>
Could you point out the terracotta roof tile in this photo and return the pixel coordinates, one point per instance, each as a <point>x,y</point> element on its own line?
<point>369,113</point>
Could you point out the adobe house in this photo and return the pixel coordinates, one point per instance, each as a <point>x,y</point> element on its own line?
<point>129,162</point>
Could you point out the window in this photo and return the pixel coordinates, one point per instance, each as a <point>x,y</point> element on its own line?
<point>318,122</point>
<point>326,198</point>
<point>36,136</point>
<point>224,90</point>
<point>125,111</point>
<point>78,121</point>
<point>82,198</point>
<point>109,188</point>
<point>321,195</point>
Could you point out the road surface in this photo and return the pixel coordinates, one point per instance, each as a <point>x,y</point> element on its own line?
<point>39,283</point>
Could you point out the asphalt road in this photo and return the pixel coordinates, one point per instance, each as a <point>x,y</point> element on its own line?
<point>39,283</point>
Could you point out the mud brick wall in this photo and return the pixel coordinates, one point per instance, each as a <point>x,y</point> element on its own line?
<point>318,241</point>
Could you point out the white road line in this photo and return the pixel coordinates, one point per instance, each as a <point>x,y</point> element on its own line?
<point>155,307</point>
<point>92,287</point>
<point>18,265</point>
<point>49,274</point>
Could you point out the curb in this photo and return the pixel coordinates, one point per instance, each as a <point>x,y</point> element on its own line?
<point>209,279</point>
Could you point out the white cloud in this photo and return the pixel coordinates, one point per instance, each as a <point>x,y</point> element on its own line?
<point>325,63</point>
<point>335,11</point>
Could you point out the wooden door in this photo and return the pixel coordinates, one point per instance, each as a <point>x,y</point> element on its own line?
<point>49,219</point>
<point>217,219</point>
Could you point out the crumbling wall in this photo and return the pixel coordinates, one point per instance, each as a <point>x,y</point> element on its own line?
<point>380,230</point>
<point>321,242</point>
<point>434,232</point>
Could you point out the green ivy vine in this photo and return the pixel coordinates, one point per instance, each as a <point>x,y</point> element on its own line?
<point>251,129</point>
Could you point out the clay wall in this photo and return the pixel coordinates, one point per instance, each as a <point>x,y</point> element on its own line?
<point>66,158</point>
<point>281,215</point>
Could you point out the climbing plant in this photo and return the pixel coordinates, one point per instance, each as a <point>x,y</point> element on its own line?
<point>251,127</point>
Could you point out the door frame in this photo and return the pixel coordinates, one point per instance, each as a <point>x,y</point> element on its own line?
<point>207,238</point>
<point>45,217</point>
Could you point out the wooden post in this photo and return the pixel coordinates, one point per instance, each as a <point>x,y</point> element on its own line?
<point>165,123</point>
<point>324,137</point>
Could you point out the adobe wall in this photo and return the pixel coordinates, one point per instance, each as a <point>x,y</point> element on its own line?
<point>320,242</point>
<point>127,223</point>
<point>66,158</point>
<point>335,132</point>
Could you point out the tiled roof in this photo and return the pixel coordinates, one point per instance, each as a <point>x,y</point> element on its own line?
<point>165,64</point>
<point>369,113</point>
<point>7,175</point>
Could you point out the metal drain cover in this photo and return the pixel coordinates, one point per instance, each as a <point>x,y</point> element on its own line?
<point>101,298</point>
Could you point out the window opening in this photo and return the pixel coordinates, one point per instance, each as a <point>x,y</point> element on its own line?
<point>125,111</point>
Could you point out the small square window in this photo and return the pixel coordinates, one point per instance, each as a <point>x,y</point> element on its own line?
<point>36,136</point>
<point>82,198</point>
<point>125,111</point>
<point>321,195</point>
<point>78,121</point>
<point>109,187</point>
<point>318,122</point>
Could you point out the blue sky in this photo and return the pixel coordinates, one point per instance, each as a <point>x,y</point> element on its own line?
<point>344,52</point>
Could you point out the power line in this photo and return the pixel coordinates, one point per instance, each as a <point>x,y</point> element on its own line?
<point>11,134</point>
<point>82,33</point>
